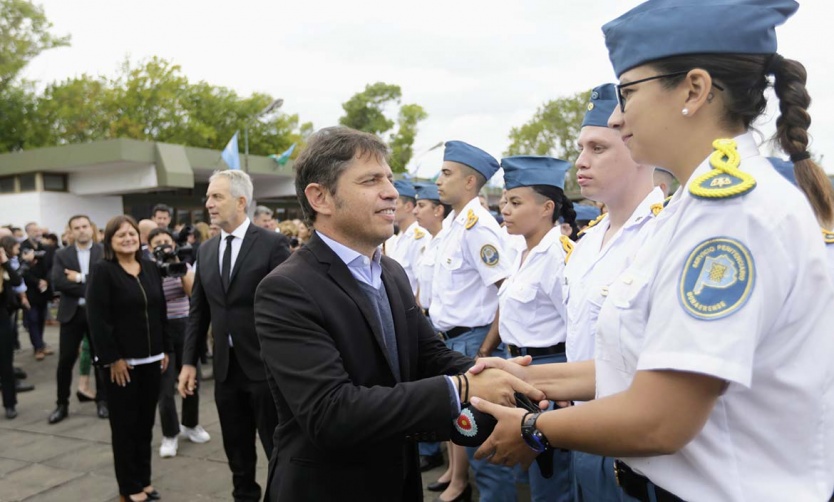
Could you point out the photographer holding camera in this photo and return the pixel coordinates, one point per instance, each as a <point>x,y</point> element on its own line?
<point>177,280</point>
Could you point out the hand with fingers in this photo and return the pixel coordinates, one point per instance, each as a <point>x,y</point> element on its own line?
<point>505,445</point>
<point>499,387</point>
<point>120,373</point>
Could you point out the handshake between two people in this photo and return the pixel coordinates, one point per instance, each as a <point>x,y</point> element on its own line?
<point>495,397</point>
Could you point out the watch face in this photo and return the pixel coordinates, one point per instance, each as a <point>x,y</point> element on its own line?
<point>531,435</point>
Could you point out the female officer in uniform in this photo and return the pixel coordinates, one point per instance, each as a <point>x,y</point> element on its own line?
<point>712,371</point>
<point>531,319</point>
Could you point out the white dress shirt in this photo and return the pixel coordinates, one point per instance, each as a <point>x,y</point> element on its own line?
<point>239,233</point>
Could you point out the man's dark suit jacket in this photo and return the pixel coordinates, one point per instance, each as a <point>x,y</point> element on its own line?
<point>67,258</point>
<point>346,426</point>
<point>231,312</point>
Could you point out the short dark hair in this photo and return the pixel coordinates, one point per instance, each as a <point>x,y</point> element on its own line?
<point>110,230</point>
<point>156,231</point>
<point>406,199</point>
<point>162,207</point>
<point>447,209</point>
<point>78,217</point>
<point>329,152</point>
<point>564,206</point>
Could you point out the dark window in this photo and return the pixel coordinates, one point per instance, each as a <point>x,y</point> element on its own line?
<point>55,182</point>
<point>7,184</point>
<point>27,182</point>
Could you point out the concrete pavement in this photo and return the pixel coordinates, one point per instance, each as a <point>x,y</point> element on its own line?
<point>73,461</point>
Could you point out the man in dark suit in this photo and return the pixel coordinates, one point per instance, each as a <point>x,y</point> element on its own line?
<point>229,268</point>
<point>356,370</point>
<point>38,287</point>
<point>70,269</point>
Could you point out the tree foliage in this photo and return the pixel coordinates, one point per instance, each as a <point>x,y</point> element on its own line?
<point>151,101</point>
<point>553,131</point>
<point>24,33</point>
<point>403,140</point>
<point>365,111</point>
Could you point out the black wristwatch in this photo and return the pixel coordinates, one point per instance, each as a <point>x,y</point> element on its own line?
<point>534,438</point>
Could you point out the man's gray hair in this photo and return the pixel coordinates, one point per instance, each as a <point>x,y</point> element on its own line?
<point>240,184</point>
<point>260,210</point>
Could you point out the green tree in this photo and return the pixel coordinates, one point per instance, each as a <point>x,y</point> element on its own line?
<point>17,105</point>
<point>24,33</point>
<point>403,140</point>
<point>553,131</point>
<point>151,101</point>
<point>365,111</point>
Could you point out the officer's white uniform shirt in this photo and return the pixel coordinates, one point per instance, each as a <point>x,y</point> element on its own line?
<point>829,248</point>
<point>532,311</point>
<point>469,263</point>
<point>425,269</point>
<point>514,244</point>
<point>407,249</point>
<point>389,247</point>
<point>769,436</point>
<point>593,267</point>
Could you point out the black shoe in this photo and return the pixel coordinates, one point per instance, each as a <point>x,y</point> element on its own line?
<point>11,412</point>
<point>465,496</point>
<point>102,410</point>
<point>83,398</point>
<point>59,414</point>
<point>154,495</point>
<point>429,462</point>
<point>23,387</point>
<point>20,374</point>
<point>437,486</point>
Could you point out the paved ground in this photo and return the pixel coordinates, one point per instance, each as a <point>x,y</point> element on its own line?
<point>72,460</point>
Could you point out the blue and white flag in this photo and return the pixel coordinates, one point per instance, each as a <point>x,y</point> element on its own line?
<point>284,157</point>
<point>231,155</point>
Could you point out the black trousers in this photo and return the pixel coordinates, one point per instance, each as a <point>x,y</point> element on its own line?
<point>167,398</point>
<point>7,360</point>
<point>244,406</point>
<point>132,412</point>
<point>72,334</point>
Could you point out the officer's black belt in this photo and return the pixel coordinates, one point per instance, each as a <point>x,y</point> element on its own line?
<point>559,348</point>
<point>454,332</point>
<point>639,486</point>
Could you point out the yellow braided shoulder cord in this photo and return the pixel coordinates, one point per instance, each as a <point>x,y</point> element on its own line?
<point>827,236</point>
<point>567,246</point>
<point>725,180</point>
<point>592,223</point>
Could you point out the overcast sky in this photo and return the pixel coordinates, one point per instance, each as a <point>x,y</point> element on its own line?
<point>478,68</point>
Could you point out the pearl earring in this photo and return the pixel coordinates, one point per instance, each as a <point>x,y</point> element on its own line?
<point>685,111</point>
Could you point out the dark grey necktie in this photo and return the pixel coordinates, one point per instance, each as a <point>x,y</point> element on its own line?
<point>226,271</point>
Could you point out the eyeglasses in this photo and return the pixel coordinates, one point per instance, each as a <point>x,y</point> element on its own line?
<point>621,100</point>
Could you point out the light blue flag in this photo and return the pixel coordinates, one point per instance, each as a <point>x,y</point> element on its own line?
<point>231,155</point>
<point>284,157</point>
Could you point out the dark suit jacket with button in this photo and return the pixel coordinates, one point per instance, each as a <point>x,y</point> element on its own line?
<point>347,427</point>
<point>67,258</point>
<point>231,312</point>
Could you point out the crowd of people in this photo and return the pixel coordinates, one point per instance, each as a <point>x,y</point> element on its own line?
<point>673,346</point>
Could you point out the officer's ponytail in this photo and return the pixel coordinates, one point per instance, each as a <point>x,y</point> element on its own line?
<point>792,134</point>
<point>564,206</point>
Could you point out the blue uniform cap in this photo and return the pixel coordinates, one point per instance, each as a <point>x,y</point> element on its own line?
<point>477,159</point>
<point>586,213</point>
<point>529,170</point>
<point>661,28</point>
<point>427,191</point>
<point>785,168</point>
<point>405,188</point>
<point>601,106</point>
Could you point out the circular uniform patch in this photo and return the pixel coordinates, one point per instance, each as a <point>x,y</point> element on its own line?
<point>489,255</point>
<point>465,424</point>
<point>717,278</point>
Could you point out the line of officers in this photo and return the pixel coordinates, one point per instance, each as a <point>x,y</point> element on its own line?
<point>525,288</point>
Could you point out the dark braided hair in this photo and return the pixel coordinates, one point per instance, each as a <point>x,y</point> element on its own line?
<point>744,78</point>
